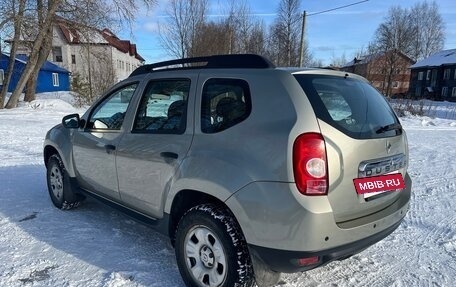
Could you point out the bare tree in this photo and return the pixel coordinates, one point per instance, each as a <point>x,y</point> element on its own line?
<point>187,33</point>
<point>248,34</point>
<point>212,38</point>
<point>428,30</point>
<point>338,61</point>
<point>418,32</point>
<point>45,14</point>
<point>34,55</point>
<point>285,33</point>
<point>257,39</point>
<point>185,17</point>
<point>393,36</point>
<point>16,17</point>
<point>396,32</point>
<point>42,53</point>
<point>239,25</point>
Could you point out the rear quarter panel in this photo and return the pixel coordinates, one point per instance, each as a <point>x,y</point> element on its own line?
<point>257,149</point>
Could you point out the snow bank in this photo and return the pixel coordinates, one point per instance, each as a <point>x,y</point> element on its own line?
<point>48,104</point>
<point>434,109</point>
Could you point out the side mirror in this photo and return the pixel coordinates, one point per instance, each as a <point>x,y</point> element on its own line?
<point>71,121</point>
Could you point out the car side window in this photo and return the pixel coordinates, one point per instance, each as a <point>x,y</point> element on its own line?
<point>110,113</point>
<point>224,103</point>
<point>163,107</point>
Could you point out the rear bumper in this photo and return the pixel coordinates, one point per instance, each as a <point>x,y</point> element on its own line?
<point>287,261</point>
<point>281,225</point>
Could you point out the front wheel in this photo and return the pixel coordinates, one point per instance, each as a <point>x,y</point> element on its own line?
<point>59,187</point>
<point>211,250</point>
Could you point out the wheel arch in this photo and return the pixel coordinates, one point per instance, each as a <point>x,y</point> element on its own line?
<point>184,200</point>
<point>65,155</point>
<point>48,151</point>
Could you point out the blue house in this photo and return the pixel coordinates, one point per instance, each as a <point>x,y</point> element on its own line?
<point>51,78</point>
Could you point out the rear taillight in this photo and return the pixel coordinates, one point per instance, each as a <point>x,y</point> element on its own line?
<point>310,166</point>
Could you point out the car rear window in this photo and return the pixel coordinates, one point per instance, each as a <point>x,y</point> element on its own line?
<point>350,105</point>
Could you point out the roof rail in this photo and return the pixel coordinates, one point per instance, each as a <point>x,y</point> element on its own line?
<point>241,61</point>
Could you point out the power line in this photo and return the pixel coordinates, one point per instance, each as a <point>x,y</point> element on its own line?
<point>329,10</point>
<point>304,15</point>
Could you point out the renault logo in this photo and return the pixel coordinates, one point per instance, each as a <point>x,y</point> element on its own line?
<point>388,147</point>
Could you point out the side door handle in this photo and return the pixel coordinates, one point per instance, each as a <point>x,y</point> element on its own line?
<point>169,155</point>
<point>110,148</point>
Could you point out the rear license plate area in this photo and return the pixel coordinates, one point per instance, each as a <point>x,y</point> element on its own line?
<point>375,185</point>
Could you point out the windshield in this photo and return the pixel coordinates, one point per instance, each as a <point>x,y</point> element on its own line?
<point>352,106</point>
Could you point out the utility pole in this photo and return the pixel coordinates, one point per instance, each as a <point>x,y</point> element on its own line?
<point>304,16</point>
<point>301,48</point>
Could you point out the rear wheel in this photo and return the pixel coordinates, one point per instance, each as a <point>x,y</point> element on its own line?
<point>59,187</point>
<point>211,250</point>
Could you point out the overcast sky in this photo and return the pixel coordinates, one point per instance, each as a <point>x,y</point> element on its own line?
<point>331,34</point>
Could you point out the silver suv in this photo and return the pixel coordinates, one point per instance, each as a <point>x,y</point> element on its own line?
<point>251,170</point>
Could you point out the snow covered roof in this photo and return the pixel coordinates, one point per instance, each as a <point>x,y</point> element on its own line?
<point>365,59</point>
<point>438,59</point>
<point>361,60</point>
<point>47,66</point>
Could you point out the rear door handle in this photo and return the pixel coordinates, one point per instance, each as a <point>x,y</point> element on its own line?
<point>168,154</point>
<point>110,148</point>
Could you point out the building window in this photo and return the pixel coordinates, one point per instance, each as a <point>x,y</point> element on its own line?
<point>455,74</point>
<point>57,54</point>
<point>444,92</point>
<point>428,75</point>
<point>446,74</point>
<point>55,79</point>
<point>395,84</point>
<point>434,78</point>
<point>418,92</point>
<point>420,76</point>
<point>73,59</point>
<point>2,76</point>
<point>453,92</point>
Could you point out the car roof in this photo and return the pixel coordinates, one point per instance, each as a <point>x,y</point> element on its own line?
<point>232,61</point>
<point>319,71</point>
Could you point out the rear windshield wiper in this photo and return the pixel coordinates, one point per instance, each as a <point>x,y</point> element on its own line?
<point>390,127</point>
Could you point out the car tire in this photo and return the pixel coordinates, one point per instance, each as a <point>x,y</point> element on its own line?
<point>59,187</point>
<point>211,249</point>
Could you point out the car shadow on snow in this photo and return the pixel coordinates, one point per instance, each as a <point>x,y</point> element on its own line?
<point>111,243</point>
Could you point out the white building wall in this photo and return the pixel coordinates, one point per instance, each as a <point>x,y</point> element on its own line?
<point>122,63</point>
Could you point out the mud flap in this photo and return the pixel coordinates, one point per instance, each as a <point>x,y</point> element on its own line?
<point>264,276</point>
<point>71,193</point>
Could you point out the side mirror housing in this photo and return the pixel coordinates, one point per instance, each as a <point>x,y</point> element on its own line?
<point>71,121</point>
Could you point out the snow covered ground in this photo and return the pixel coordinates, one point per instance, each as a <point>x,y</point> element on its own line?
<point>95,245</point>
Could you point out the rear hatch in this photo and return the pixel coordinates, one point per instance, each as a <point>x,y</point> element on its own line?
<point>363,138</point>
